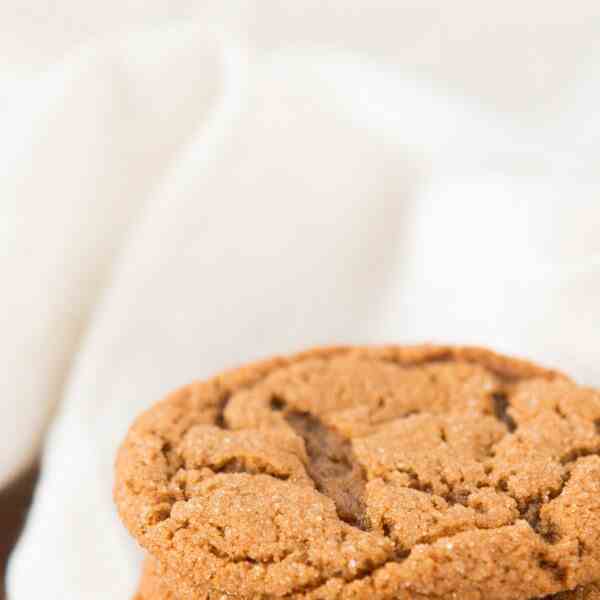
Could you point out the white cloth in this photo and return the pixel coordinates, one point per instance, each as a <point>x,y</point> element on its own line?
<point>187,186</point>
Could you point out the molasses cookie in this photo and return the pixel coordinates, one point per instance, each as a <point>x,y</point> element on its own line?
<point>156,585</point>
<point>388,473</point>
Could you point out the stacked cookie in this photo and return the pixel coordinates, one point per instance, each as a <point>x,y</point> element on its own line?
<point>381,473</point>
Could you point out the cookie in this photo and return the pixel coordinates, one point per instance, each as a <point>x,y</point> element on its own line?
<point>154,586</point>
<point>390,473</point>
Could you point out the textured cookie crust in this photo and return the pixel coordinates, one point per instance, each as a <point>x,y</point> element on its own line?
<point>404,473</point>
<point>154,586</point>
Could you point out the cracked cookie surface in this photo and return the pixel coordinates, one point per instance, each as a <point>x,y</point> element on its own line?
<point>157,584</point>
<point>420,472</point>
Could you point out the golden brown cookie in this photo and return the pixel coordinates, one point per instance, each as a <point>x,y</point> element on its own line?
<point>156,584</point>
<point>388,473</point>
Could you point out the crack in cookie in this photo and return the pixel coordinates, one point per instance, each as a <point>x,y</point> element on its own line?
<point>501,404</point>
<point>333,467</point>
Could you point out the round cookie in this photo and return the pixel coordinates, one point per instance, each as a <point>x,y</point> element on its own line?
<point>405,473</point>
<point>154,586</point>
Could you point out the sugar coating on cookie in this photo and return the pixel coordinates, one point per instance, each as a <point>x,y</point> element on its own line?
<point>157,584</point>
<point>405,473</point>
